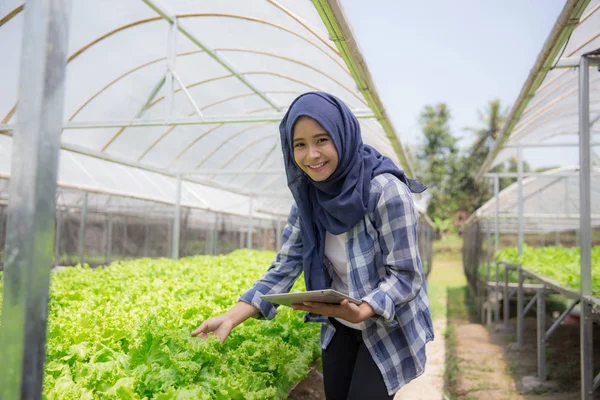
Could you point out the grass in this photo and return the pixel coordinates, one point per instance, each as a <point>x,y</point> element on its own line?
<point>447,273</point>
<point>451,367</point>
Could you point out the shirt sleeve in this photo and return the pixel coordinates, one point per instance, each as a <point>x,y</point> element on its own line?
<point>396,218</point>
<point>283,272</point>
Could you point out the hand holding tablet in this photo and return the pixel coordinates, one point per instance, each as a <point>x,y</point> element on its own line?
<point>327,296</point>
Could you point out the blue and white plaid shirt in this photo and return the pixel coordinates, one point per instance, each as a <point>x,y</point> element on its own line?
<point>384,270</point>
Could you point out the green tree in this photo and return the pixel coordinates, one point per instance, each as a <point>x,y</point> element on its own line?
<point>437,159</point>
<point>474,194</point>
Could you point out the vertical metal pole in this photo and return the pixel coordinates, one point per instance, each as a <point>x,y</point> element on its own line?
<point>520,195</point>
<point>56,238</point>
<point>566,180</point>
<point>250,222</point>
<point>215,236</point>
<point>541,334</point>
<point>176,220</point>
<point>520,328</point>
<point>82,221</point>
<point>506,302</point>
<point>32,204</point>
<point>557,238</point>
<point>497,293</point>
<point>278,234</point>
<point>488,246</point>
<point>497,214</point>
<point>585,239</point>
<point>146,237</point>
<point>109,240</point>
<point>241,233</point>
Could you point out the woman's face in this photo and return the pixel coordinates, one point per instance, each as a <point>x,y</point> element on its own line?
<point>314,150</point>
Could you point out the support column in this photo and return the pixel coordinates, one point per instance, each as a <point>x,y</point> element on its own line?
<point>146,237</point>
<point>250,222</point>
<point>32,204</point>
<point>541,334</point>
<point>56,239</point>
<point>109,239</point>
<point>585,239</point>
<point>520,197</point>
<point>497,214</point>
<point>506,301</point>
<point>82,222</point>
<point>520,316</point>
<point>176,221</point>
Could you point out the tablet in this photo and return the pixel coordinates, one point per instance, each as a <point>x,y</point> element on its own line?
<point>328,296</point>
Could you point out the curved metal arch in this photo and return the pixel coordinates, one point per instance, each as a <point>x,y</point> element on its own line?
<point>586,16</point>
<point>539,113</point>
<point>196,140</point>
<point>585,44</point>
<point>545,85</point>
<point>168,131</point>
<point>191,85</point>
<point>551,92</point>
<point>11,14</point>
<point>264,53</point>
<point>236,155</point>
<point>120,131</point>
<point>114,81</point>
<point>283,77</point>
<point>301,22</point>
<point>125,75</point>
<point>541,119</point>
<point>229,139</point>
<point>264,156</point>
<point>187,15</point>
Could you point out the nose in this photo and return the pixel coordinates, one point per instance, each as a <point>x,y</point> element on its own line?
<point>313,152</point>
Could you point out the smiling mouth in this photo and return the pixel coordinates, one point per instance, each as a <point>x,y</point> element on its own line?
<point>317,167</point>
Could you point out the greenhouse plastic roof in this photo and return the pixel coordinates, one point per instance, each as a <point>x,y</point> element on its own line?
<point>153,91</point>
<point>547,106</point>
<point>550,203</point>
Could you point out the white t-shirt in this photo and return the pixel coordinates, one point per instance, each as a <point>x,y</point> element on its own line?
<point>335,251</point>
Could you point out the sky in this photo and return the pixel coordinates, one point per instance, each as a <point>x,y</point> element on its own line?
<point>463,53</point>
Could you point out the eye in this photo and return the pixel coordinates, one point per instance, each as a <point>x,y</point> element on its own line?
<point>298,145</point>
<point>322,140</point>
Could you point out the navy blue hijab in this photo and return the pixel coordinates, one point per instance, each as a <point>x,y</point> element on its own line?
<point>336,204</point>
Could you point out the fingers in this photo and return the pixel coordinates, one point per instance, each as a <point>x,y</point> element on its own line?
<point>202,330</point>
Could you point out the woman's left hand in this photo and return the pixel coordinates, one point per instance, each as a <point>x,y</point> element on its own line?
<point>345,310</point>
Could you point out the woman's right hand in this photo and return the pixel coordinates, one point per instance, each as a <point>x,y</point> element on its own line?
<point>220,326</point>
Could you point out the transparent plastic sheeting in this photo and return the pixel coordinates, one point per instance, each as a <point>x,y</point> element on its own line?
<point>124,184</point>
<point>550,203</point>
<point>269,52</point>
<point>552,114</point>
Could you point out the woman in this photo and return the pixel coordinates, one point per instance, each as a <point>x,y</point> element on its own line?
<point>353,228</point>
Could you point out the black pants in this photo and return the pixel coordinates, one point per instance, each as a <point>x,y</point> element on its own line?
<point>349,372</point>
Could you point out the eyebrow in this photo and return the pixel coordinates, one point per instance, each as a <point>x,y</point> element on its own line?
<point>318,135</point>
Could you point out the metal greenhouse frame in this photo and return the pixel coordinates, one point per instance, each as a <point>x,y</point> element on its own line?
<point>131,106</point>
<point>559,97</point>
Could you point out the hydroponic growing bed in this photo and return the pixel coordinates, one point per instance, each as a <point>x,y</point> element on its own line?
<point>124,332</point>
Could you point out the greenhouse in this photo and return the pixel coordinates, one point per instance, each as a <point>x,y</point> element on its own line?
<point>167,145</point>
<point>143,190</point>
<point>559,106</point>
